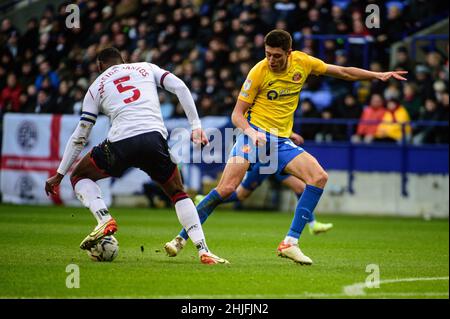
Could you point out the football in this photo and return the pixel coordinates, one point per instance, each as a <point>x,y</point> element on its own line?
<point>106,249</point>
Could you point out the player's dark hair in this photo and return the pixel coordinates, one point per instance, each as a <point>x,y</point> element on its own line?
<point>278,39</point>
<point>110,55</point>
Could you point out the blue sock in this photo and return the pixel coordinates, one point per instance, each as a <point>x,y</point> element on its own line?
<point>232,198</point>
<point>313,218</point>
<point>304,211</point>
<point>205,208</point>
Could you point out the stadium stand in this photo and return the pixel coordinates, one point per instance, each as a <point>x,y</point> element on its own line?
<point>45,66</point>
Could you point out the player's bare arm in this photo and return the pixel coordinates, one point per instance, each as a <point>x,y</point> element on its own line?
<point>238,119</point>
<point>355,74</point>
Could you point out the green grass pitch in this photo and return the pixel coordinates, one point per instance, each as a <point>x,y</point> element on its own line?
<point>37,243</point>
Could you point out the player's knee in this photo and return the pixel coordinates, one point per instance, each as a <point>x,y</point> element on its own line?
<point>320,178</point>
<point>74,179</point>
<point>225,190</point>
<point>180,195</point>
<point>242,193</point>
<point>243,196</point>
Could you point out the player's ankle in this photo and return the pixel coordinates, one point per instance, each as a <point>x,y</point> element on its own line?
<point>290,240</point>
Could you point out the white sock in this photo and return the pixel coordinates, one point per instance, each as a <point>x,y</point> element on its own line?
<point>311,223</point>
<point>182,240</point>
<point>90,195</point>
<point>291,240</point>
<point>188,217</point>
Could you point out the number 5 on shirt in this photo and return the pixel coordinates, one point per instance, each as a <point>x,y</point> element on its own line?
<point>121,88</point>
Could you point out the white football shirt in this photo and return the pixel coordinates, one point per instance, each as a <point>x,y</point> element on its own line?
<point>127,94</point>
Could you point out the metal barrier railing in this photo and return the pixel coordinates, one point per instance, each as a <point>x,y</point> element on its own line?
<point>352,123</point>
<point>403,144</point>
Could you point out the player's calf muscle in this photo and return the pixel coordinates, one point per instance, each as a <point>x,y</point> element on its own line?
<point>174,188</point>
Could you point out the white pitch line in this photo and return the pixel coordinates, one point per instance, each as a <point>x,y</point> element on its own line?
<point>358,288</point>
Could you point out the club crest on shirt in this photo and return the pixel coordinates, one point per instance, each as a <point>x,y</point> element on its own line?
<point>245,149</point>
<point>297,76</point>
<point>247,84</point>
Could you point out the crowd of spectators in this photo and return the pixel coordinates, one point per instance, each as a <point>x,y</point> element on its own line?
<point>212,45</point>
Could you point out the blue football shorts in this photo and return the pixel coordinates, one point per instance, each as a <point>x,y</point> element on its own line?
<point>270,159</point>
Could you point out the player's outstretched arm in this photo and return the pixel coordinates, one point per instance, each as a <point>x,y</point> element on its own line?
<point>355,74</point>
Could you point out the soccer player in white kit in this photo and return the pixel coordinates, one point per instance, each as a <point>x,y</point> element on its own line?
<point>127,94</point>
